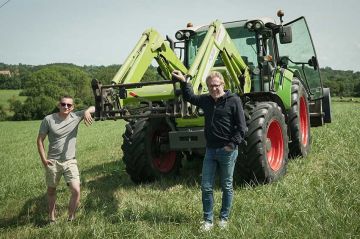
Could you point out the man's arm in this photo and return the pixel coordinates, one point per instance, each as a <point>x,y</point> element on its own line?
<point>41,149</point>
<point>240,123</point>
<point>88,120</point>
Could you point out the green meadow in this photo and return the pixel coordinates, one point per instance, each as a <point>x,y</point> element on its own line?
<point>319,197</point>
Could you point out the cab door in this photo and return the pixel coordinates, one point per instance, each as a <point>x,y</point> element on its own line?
<point>300,57</point>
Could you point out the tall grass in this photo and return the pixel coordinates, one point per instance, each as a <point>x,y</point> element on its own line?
<point>318,197</point>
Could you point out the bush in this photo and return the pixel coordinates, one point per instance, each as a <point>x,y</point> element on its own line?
<point>33,108</point>
<point>3,114</point>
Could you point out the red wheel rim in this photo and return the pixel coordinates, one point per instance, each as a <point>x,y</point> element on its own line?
<point>304,123</point>
<point>162,161</point>
<point>165,162</point>
<point>275,145</point>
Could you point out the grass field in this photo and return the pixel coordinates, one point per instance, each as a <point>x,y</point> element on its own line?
<point>318,197</point>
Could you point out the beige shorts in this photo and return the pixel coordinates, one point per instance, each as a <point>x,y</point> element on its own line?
<point>68,168</point>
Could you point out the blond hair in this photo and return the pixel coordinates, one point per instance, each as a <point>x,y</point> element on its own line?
<point>213,75</point>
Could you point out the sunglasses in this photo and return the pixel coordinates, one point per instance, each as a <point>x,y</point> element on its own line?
<point>65,104</point>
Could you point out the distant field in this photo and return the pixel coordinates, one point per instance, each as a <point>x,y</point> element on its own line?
<point>346,99</point>
<point>5,95</point>
<point>318,197</point>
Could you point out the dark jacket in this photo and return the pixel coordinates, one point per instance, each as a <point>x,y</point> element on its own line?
<point>224,119</point>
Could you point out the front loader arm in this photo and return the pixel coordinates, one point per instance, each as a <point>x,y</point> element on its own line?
<point>110,98</point>
<point>150,46</point>
<point>217,41</point>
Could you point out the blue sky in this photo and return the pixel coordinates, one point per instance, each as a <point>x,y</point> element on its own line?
<point>103,32</point>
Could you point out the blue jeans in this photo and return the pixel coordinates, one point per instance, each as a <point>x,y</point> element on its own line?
<point>225,162</point>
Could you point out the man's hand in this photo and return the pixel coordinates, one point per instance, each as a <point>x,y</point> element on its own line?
<point>47,162</point>
<point>88,120</point>
<point>230,147</point>
<point>178,76</point>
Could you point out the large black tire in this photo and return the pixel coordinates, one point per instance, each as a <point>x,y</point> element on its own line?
<point>146,151</point>
<point>264,158</point>
<point>299,121</point>
<point>326,105</point>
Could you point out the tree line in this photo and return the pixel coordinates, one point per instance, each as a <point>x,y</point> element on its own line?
<point>341,83</point>
<point>43,85</point>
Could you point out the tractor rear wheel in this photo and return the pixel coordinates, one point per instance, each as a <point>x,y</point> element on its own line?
<point>146,152</point>
<point>264,158</point>
<point>299,121</point>
<point>326,104</point>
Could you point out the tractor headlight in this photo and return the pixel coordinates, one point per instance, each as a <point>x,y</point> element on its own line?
<point>255,25</point>
<point>258,25</point>
<point>249,25</point>
<point>179,35</point>
<point>184,34</point>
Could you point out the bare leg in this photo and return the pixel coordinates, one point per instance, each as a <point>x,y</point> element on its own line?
<point>74,199</point>
<point>51,193</point>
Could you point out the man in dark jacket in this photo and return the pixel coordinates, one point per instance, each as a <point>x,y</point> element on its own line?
<point>225,128</point>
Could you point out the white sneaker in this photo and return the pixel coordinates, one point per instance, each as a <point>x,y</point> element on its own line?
<point>206,226</point>
<point>223,224</point>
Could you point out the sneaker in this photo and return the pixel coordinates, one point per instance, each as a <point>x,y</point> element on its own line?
<point>206,226</point>
<point>223,224</point>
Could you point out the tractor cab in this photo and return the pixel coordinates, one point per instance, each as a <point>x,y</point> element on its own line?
<point>268,48</point>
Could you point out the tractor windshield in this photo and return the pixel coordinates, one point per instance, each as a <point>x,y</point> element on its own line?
<point>301,56</point>
<point>243,39</point>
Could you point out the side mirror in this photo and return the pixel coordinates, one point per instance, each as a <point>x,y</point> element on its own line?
<point>285,34</point>
<point>313,62</point>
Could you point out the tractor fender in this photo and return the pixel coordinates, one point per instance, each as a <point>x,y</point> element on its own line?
<point>262,97</point>
<point>282,85</point>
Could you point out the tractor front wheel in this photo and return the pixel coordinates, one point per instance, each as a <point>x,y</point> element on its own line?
<point>146,152</point>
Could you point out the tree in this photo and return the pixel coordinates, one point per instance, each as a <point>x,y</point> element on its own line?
<point>357,90</point>
<point>46,85</point>
<point>104,74</point>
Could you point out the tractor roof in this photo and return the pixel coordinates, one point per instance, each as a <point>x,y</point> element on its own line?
<point>239,23</point>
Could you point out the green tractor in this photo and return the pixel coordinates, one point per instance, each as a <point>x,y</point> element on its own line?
<point>272,67</point>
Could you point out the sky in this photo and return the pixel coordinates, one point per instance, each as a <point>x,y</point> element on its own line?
<point>103,32</point>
